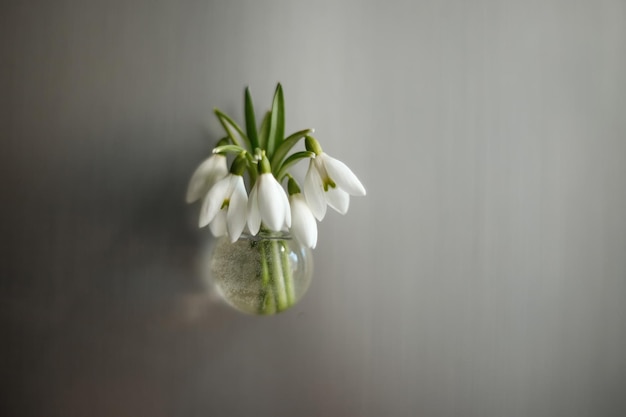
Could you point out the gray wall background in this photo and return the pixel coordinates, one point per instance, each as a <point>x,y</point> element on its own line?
<point>483,275</point>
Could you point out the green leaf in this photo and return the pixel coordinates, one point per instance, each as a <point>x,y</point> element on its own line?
<point>229,148</point>
<point>265,130</point>
<point>280,173</point>
<point>229,125</point>
<point>287,144</point>
<point>250,121</point>
<point>277,122</point>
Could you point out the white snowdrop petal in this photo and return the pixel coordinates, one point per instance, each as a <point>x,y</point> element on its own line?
<point>197,184</point>
<point>213,201</point>
<point>237,209</point>
<point>285,202</point>
<point>218,225</point>
<point>303,225</point>
<point>343,176</point>
<point>205,176</point>
<point>254,215</point>
<point>271,205</point>
<point>314,192</point>
<point>338,200</point>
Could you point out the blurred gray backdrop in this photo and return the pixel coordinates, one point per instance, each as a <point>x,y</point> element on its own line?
<point>483,275</point>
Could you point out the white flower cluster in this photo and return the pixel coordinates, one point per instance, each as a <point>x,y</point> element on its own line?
<point>229,210</point>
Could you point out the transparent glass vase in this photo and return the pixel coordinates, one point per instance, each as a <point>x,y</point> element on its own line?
<point>264,274</point>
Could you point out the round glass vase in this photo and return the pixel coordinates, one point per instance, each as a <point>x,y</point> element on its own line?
<point>263,274</point>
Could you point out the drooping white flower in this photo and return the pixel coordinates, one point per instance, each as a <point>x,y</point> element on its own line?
<point>268,204</point>
<point>224,207</point>
<point>330,182</point>
<point>205,176</point>
<point>303,225</point>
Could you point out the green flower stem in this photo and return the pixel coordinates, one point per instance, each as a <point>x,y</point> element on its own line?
<point>287,274</point>
<point>278,292</point>
<point>278,276</point>
<point>268,304</point>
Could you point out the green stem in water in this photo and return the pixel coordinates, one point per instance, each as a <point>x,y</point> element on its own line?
<point>282,302</point>
<point>267,305</point>
<point>277,287</point>
<point>287,274</point>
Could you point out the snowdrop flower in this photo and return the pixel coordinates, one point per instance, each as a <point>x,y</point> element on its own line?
<point>329,181</point>
<point>303,225</point>
<point>205,176</point>
<point>224,207</point>
<point>268,202</point>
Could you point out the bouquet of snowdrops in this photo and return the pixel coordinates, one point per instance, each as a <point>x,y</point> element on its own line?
<point>259,197</point>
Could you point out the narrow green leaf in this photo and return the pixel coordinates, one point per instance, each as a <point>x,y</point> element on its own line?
<point>277,122</point>
<point>229,148</point>
<point>229,125</point>
<point>265,130</point>
<point>250,121</point>
<point>287,144</point>
<point>280,173</point>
